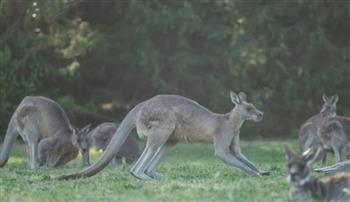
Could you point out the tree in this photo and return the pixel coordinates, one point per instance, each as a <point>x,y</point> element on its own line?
<point>100,58</point>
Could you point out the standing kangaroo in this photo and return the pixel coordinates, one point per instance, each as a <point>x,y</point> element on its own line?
<point>306,188</point>
<point>308,137</point>
<point>335,130</point>
<point>168,119</point>
<point>45,128</point>
<point>102,135</point>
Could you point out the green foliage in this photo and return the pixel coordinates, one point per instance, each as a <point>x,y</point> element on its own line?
<point>16,80</point>
<point>285,55</point>
<point>191,172</point>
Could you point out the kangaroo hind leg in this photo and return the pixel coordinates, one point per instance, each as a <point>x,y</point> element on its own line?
<point>136,170</point>
<point>157,137</point>
<point>151,169</point>
<point>152,146</point>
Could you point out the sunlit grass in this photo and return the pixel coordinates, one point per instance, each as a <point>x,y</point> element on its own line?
<point>191,173</point>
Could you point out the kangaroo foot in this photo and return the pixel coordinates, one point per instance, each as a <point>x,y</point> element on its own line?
<point>155,175</point>
<point>264,173</point>
<point>253,173</point>
<point>34,165</point>
<point>141,176</point>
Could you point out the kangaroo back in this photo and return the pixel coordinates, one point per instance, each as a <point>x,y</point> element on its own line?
<point>113,147</point>
<point>10,137</point>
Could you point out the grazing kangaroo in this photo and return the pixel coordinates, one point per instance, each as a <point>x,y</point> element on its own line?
<point>308,137</point>
<point>168,119</point>
<point>306,188</point>
<point>45,128</point>
<point>335,130</point>
<point>102,135</point>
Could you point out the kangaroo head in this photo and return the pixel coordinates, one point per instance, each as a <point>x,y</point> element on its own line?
<point>80,140</point>
<point>246,110</point>
<point>329,106</point>
<point>298,170</point>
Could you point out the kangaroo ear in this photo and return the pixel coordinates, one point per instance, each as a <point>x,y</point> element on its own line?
<point>235,98</point>
<point>289,152</point>
<point>74,130</point>
<point>334,99</point>
<point>325,98</point>
<point>242,96</point>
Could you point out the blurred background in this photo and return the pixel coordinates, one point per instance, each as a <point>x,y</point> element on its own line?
<point>100,58</point>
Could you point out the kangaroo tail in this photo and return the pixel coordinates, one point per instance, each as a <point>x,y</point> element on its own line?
<point>113,147</point>
<point>339,167</point>
<point>10,137</point>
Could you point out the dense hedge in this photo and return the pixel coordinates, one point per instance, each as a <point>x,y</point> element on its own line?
<point>106,56</point>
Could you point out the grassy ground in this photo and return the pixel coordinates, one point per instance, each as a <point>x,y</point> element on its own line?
<point>191,172</point>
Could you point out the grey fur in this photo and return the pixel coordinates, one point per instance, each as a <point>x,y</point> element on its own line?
<point>335,130</point>
<point>335,134</point>
<point>307,188</point>
<point>167,119</point>
<point>45,128</point>
<point>101,136</point>
<point>308,133</point>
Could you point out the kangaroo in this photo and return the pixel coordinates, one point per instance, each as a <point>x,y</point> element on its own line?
<point>168,119</point>
<point>45,128</point>
<point>335,130</point>
<point>308,137</point>
<point>102,135</point>
<point>307,188</point>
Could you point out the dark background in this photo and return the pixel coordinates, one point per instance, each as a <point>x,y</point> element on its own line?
<point>100,58</point>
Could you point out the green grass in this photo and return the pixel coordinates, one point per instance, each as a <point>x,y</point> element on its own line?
<point>191,172</point>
